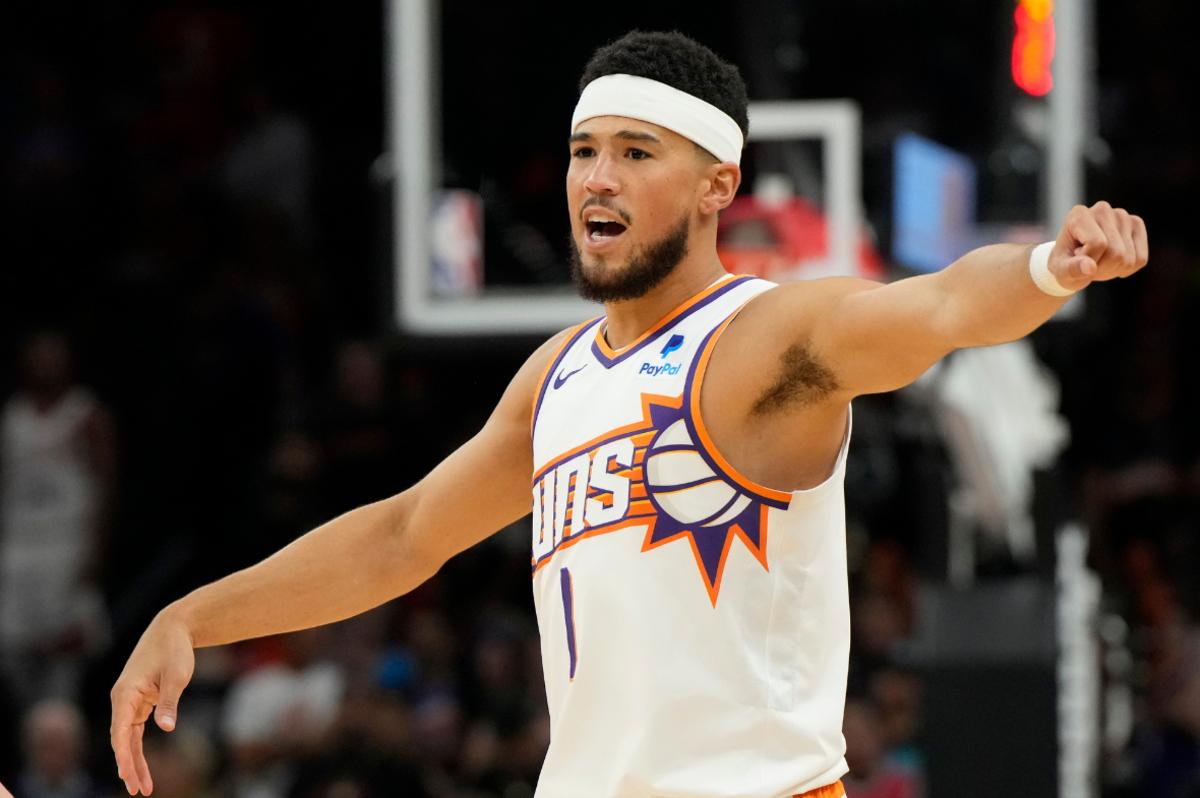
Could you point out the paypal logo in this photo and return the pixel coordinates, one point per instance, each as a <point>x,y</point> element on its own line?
<point>669,369</point>
<point>674,343</point>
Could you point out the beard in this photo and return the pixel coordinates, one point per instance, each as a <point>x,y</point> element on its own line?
<point>647,267</point>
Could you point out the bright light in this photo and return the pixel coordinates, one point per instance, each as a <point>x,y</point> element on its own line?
<point>1033,46</point>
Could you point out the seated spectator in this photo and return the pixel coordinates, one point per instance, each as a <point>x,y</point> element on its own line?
<point>872,775</point>
<point>897,694</point>
<point>373,750</point>
<point>182,763</point>
<point>54,753</point>
<point>281,713</point>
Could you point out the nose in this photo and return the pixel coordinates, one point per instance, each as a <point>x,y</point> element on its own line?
<point>602,178</point>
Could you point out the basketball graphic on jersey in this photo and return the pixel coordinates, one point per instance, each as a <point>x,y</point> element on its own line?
<point>666,580</point>
<point>656,471</point>
<point>684,486</point>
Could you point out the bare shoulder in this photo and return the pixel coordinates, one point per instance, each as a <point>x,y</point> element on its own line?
<point>768,386</point>
<point>774,333</point>
<point>792,305</point>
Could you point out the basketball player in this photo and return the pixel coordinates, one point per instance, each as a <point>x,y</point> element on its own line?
<point>685,454</point>
<point>58,458</point>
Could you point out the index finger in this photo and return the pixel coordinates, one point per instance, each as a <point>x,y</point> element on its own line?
<point>121,738</point>
<point>1084,230</point>
<point>1141,240</point>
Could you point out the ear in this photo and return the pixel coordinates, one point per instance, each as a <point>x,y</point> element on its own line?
<point>723,180</point>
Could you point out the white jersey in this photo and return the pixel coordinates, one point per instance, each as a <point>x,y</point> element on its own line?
<point>695,625</point>
<point>48,498</point>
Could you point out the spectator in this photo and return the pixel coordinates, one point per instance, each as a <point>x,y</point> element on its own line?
<point>182,763</point>
<point>1170,737</point>
<point>290,492</point>
<point>361,434</point>
<point>269,165</point>
<point>59,466</point>
<point>54,752</point>
<point>280,713</point>
<point>374,750</point>
<point>872,775</point>
<point>896,692</point>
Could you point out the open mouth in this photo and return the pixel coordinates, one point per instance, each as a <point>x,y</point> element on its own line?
<point>604,231</point>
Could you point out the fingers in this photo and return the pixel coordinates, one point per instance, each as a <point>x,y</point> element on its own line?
<point>1112,238</point>
<point>1118,255</point>
<point>1141,241</point>
<point>121,737</point>
<point>169,691</point>
<point>131,709</point>
<point>1081,268</point>
<point>1073,272</point>
<point>141,767</point>
<point>1084,233</point>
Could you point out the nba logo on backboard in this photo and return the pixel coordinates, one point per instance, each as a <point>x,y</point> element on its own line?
<point>456,243</point>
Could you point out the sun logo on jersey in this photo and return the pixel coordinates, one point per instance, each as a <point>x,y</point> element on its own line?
<point>654,473</point>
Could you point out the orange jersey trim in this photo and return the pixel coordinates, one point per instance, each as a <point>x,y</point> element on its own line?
<point>650,518</point>
<point>609,352</point>
<point>835,790</point>
<point>568,339</point>
<point>641,425</point>
<point>702,431</point>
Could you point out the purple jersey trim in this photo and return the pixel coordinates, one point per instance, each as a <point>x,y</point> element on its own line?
<point>550,372</point>
<point>690,385</point>
<point>609,362</point>
<point>568,597</point>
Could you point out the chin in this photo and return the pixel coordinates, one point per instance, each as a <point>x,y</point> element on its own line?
<point>600,270</point>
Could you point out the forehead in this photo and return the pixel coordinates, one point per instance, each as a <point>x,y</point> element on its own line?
<point>603,127</point>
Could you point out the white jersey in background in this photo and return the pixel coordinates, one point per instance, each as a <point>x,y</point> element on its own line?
<point>695,626</point>
<point>48,504</point>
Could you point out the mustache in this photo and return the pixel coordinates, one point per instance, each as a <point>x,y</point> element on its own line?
<point>606,204</point>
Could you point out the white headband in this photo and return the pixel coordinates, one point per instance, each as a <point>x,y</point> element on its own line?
<point>651,101</point>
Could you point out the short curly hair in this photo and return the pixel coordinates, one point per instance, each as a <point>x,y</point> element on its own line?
<point>678,61</point>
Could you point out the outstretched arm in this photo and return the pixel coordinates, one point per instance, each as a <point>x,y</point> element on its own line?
<point>349,565</point>
<point>879,337</point>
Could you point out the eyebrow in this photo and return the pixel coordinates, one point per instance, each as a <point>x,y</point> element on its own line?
<point>627,135</point>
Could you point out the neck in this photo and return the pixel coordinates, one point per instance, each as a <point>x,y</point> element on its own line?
<point>44,399</point>
<point>627,319</point>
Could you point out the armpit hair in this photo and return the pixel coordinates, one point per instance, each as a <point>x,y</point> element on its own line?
<point>804,380</point>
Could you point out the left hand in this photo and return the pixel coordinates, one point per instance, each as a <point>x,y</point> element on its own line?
<point>1098,243</point>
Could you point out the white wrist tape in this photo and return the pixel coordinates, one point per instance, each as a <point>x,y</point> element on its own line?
<point>1039,270</point>
<point>667,106</point>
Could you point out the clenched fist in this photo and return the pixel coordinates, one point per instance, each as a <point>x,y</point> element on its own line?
<point>1098,243</point>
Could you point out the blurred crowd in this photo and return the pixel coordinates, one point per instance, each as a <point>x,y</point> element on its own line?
<point>198,367</point>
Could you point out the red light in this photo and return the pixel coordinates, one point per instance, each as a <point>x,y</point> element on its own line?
<point>1033,46</point>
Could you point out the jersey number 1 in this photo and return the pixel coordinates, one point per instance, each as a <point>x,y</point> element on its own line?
<point>568,597</point>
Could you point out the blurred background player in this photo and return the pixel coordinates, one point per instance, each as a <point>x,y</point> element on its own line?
<point>57,473</point>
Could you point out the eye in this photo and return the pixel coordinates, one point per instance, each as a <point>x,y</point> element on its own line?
<point>582,152</point>
<point>637,155</point>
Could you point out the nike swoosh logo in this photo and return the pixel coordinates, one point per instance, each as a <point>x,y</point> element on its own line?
<point>562,378</point>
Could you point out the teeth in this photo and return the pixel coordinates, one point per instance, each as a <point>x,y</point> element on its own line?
<point>600,216</point>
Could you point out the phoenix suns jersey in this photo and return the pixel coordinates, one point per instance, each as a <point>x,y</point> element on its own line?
<point>695,625</point>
